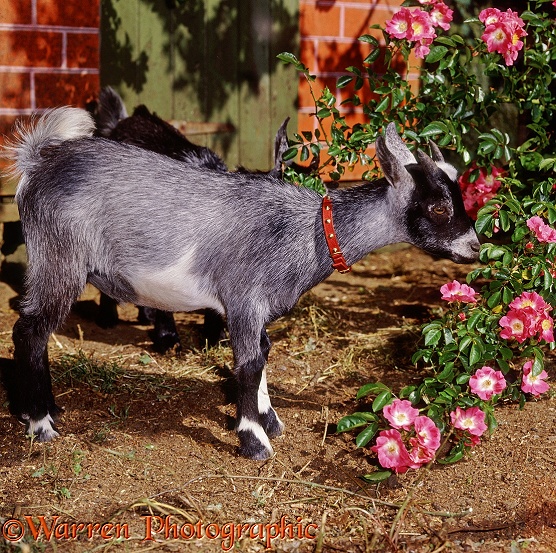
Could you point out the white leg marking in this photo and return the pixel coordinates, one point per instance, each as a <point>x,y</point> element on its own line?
<point>42,429</point>
<point>263,399</point>
<point>256,429</point>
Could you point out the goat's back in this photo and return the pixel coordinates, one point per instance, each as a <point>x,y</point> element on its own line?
<point>148,208</point>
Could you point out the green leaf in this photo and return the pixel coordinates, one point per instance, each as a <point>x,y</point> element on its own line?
<point>383,105</point>
<point>433,129</point>
<point>475,354</point>
<point>484,223</point>
<point>290,153</point>
<point>436,53</point>
<point>378,476</point>
<point>381,400</point>
<point>494,299</point>
<point>454,458</point>
<point>349,422</point>
<point>371,388</point>
<point>432,337</point>
<point>344,81</point>
<point>364,437</point>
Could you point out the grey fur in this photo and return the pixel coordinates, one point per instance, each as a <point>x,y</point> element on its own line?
<point>148,229</point>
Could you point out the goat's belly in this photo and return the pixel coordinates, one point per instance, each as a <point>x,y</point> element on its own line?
<point>174,289</point>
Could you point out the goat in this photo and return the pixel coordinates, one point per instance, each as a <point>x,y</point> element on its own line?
<point>247,246</point>
<point>147,130</point>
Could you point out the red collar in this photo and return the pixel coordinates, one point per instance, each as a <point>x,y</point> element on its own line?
<point>338,260</point>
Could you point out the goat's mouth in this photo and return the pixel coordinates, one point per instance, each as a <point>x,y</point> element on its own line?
<point>461,259</point>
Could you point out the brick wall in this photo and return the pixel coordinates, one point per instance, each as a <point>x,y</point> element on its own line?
<point>49,51</point>
<point>49,55</point>
<point>329,43</point>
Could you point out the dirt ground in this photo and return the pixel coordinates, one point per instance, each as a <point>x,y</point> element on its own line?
<point>147,456</point>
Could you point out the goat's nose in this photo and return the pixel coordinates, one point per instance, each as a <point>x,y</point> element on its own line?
<point>476,247</point>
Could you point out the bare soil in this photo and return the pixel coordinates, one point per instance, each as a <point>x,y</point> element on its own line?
<point>148,435</point>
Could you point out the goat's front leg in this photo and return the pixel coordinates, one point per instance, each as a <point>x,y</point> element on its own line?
<point>250,346</point>
<point>268,418</point>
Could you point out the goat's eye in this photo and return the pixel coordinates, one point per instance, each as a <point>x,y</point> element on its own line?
<point>439,210</point>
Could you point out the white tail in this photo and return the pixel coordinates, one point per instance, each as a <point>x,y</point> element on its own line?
<point>53,126</point>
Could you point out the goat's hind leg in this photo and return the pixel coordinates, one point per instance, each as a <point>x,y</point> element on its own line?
<point>44,308</point>
<point>250,359</point>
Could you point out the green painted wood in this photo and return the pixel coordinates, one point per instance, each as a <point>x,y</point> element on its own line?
<point>207,61</point>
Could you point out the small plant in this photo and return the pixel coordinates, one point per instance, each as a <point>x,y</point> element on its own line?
<point>99,375</point>
<point>489,342</point>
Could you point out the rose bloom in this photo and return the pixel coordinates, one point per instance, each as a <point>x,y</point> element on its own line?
<point>427,433</point>
<point>476,194</point>
<point>472,420</point>
<point>400,413</point>
<point>490,16</point>
<point>415,26</point>
<point>516,324</point>
<point>487,382</point>
<point>546,329</point>
<point>456,291</point>
<point>441,15</point>
<point>503,31</point>
<point>544,233</point>
<point>421,26</point>
<point>391,451</point>
<point>400,24</point>
<point>530,384</point>
<point>419,454</point>
<point>532,300</point>
<point>528,317</point>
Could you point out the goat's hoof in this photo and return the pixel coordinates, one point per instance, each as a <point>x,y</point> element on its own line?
<point>41,430</point>
<point>271,424</point>
<point>257,453</point>
<point>166,343</point>
<point>254,441</point>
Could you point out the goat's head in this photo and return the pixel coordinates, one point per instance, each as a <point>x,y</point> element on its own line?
<point>428,199</point>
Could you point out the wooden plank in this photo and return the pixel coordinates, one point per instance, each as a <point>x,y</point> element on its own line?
<point>209,63</point>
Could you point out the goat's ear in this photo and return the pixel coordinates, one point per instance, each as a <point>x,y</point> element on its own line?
<point>427,163</point>
<point>394,170</point>
<point>280,146</point>
<point>438,158</point>
<point>436,153</point>
<point>397,146</point>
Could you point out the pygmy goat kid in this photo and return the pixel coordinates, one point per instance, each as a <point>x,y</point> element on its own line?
<point>246,245</point>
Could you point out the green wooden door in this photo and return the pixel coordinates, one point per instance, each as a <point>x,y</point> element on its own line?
<point>209,63</point>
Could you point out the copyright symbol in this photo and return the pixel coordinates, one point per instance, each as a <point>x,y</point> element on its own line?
<point>13,530</point>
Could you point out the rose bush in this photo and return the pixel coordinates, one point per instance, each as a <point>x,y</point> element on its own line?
<point>489,345</point>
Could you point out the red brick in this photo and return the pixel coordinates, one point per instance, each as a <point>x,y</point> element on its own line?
<point>15,11</point>
<point>55,89</point>
<point>307,54</point>
<point>319,20</point>
<point>357,21</point>
<point>83,50</point>
<point>70,13</point>
<point>306,122</point>
<point>15,90</point>
<point>336,56</point>
<point>31,48</point>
